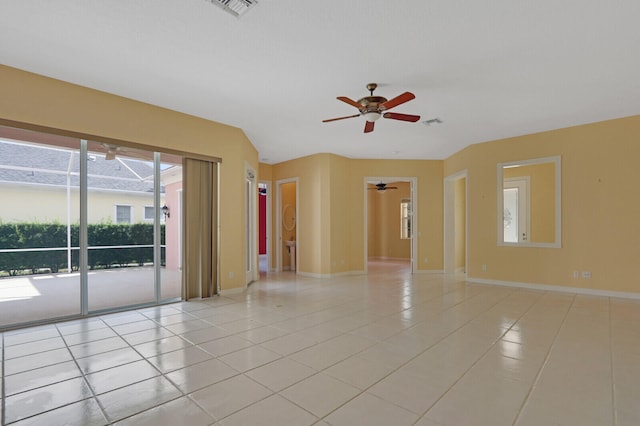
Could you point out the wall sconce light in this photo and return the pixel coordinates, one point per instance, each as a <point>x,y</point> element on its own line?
<point>165,212</point>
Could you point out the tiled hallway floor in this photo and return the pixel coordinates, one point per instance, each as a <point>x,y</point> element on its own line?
<point>384,349</point>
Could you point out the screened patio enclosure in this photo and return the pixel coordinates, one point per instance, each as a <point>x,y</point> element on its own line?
<point>85,227</point>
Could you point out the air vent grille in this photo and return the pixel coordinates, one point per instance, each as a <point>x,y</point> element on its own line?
<point>235,7</point>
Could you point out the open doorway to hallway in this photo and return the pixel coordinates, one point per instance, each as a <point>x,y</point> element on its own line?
<point>390,224</point>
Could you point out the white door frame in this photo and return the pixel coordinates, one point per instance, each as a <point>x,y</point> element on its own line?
<point>278,209</point>
<point>267,183</point>
<point>415,234</point>
<point>522,184</point>
<point>449,221</point>
<point>251,240</point>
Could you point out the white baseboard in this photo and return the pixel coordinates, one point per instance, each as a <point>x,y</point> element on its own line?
<point>338,274</point>
<point>429,271</point>
<point>558,288</point>
<point>404,259</point>
<point>231,291</point>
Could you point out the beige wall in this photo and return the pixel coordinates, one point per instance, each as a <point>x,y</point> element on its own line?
<point>600,230</point>
<point>332,206</point>
<point>460,223</point>
<point>384,222</point>
<point>312,236</point>
<point>32,101</point>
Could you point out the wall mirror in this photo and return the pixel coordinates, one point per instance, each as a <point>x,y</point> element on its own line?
<point>529,203</point>
<point>289,217</point>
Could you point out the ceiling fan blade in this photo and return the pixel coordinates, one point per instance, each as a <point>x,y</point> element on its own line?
<point>340,118</point>
<point>349,101</point>
<point>390,187</point>
<point>403,117</point>
<point>405,97</point>
<point>368,127</point>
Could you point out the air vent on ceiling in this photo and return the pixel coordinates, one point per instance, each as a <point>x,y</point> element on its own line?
<point>235,7</point>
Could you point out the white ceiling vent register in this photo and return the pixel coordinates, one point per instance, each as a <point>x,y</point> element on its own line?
<point>235,7</point>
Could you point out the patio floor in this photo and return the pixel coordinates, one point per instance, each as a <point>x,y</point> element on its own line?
<point>39,297</point>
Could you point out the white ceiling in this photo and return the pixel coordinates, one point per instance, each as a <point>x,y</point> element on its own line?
<point>487,69</point>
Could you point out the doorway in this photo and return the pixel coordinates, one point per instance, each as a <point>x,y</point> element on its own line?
<point>456,227</point>
<point>390,222</point>
<point>264,226</point>
<point>287,225</point>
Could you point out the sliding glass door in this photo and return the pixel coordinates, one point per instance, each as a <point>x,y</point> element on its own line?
<point>39,269</point>
<point>86,227</point>
<point>120,226</point>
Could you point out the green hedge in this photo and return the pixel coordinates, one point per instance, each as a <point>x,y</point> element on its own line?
<point>50,235</point>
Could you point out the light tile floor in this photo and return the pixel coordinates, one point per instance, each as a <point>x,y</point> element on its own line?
<point>384,349</point>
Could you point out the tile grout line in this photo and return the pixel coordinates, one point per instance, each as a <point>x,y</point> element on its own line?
<point>363,391</point>
<point>84,378</point>
<point>545,361</point>
<point>182,394</point>
<point>320,418</point>
<point>481,356</point>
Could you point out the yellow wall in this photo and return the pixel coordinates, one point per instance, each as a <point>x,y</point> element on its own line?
<point>459,223</point>
<point>384,222</point>
<point>332,205</point>
<point>600,230</point>
<point>313,214</point>
<point>33,101</point>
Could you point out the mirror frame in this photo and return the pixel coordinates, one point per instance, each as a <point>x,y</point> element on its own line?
<point>557,243</point>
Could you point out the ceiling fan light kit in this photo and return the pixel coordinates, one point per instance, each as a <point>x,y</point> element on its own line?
<point>373,107</point>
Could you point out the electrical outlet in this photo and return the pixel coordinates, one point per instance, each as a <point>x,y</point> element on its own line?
<point>484,267</point>
<point>586,274</point>
<point>426,260</point>
<point>231,275</point>
<point>576,274</point>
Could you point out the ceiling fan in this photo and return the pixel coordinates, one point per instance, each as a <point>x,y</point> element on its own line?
<point>372,107</point>
<point>383,187</point>
<point>113,151</point>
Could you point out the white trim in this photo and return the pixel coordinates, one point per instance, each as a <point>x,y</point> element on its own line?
<point>231,291</point>
<point>338,274</point>
<point>558,288</point>
<point>251,234</point>
<point>405,259</point>
<point>429,271</point>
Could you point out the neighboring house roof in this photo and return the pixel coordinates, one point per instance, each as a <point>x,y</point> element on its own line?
<point>22,163</point>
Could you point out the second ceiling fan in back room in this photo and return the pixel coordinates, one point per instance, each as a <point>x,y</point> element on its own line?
<point>373,107</point>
